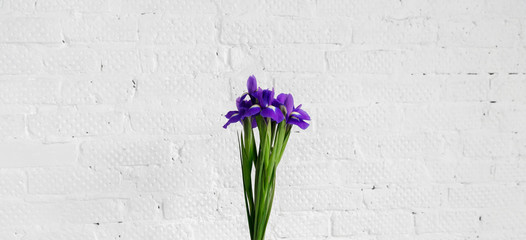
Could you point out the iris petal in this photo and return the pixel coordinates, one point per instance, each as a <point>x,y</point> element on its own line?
<point>229,114</point>
<point>253,110</point>
<point>304,115</point>
<point>267,112</point>
<point>298,122</point>
<point>252,84</point>
<point>289,103</point>
<point>281,98</point>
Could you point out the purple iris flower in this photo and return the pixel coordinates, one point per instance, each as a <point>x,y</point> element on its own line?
<point>269,106</point>
<point>244,109</point>
<point>295,115</point>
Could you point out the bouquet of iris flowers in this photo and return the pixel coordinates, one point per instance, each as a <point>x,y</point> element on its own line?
<point>274,118</point>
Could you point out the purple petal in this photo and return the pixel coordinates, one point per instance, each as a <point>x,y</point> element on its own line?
<point>252,84</point>
<point>254,122</point>
<point>238,102</point>
<point>289,103</point>
<point>267,112</point>
<point>298,122</point>
<point>235,118</point>
<point>272,112</point>
<point>303,115</point>
<point>229,114</point>
<point>253,110</point>
<point>266,97</point>
<point>279,115</point>
<point>281,98</point>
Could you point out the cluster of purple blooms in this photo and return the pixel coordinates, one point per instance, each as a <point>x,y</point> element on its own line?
<point>263,103</point>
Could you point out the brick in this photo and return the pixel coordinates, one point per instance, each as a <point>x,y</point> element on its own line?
<point>378,172</point>
<point>463,60</point>
<point>288,7</point>
<point>187,60</point>
<point>406,89</point>
<point>464,88</point>
<point>37,154</point>
<point>168,123</point>
<point>513,8</point>
<point>17,59</point>
<point>322,146</point>
<point>400,197</point>
<point>231,202</point>
<point>71,180</point>
<point>317,88</point>
<point>72,60</point>
<point>474,170</point>
<point>190,206</point>
<point>487,145</point>
<point>12,126</point>
<point>93,211</point>
<point>119,152</point>
<point>126,61</point>
<point>505,222</point>
<point>451,8</point>
<point>181,89</point>
<point>13,183</point>
<point>444,117</point>
<point>485,197</point>
<point>167,6</point>
<point>30,30</point>
<point>293,59</point>
<point>19,6</point>
<point>73,211</point>
<point>139,208</point>
<point>350,9</point>
<point>101,29</point>
<point>137,231</point>
<point>303,174</point>
<point>221,153</point>
<point>479,33</point>
<point>318,199</point>
<point>170,30</point>
<point>330,30</point>
<point>510,172</point>
<point>361,118</point>
<point>394,31</point>
<point>249,30</point>
<point>180,177</point>
<point>65,231</point>
<point>221,228</point>
<point>20,213</point>
<point>98,89</point>
<point>365,221</point>
<point>365,61</point>
<point>508,88</point>
<point>411,145</point>
<point>505,117</point>
<point>76,5</point>
<point>300,225</point>
<point>66,123</point>
<point>29,91</point>
<point>447,221</point>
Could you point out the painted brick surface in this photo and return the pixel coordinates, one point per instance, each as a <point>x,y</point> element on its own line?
<point>111,116</point>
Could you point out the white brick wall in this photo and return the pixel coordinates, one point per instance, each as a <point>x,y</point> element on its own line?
<point>111,116</point>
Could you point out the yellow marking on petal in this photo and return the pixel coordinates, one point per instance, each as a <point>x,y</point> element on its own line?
<point>272,107</point>
<point>295,114</point>
<point>255,105</point>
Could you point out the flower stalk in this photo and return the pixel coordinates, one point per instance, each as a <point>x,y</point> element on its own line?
<point>274,118</point>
